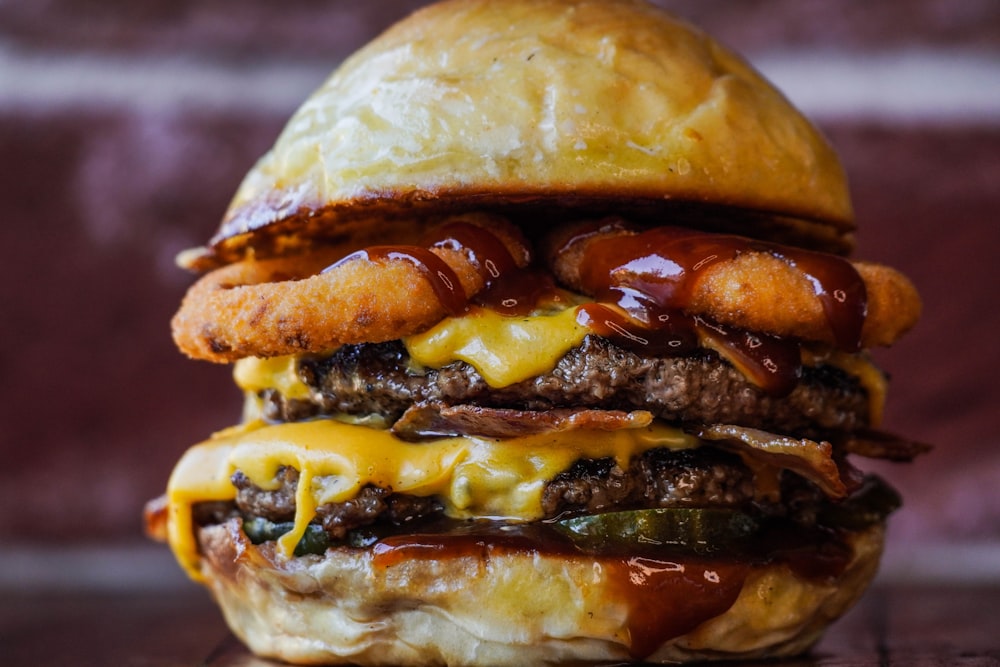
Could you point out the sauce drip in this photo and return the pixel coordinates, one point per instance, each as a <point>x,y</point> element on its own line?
<point>519,291</point>
<point>649,278</point>
<point>677,596</point>
<point>667,333</point>
<point>439,275</point>
<point>771,363</point>
<point>666,596</point>
<point>487,253</point>
<point>667,592</point>
<point>840,289</point>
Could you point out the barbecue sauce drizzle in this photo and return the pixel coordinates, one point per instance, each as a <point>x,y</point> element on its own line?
<point>642,283</point>
<point>666,596</point>
<point>667,592</point>
<point>487,253</point>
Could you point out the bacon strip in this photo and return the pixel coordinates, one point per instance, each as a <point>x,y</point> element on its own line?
<point>808,458</point>
<point>436,419</point>
<point>874,444</point>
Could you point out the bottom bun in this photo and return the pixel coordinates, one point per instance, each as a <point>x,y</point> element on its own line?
<point>498,608</point>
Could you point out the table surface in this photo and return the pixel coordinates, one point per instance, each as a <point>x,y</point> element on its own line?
<point>892,625</point>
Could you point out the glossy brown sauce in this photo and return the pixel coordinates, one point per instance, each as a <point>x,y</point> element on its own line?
<point>487,253</point>
<point>519,291</point>
<point>644,282</point>
<point>667,592</point>
<point>442,279</point>
<point>676,596</point>
<point>662,266</point>
<point>772,363</point>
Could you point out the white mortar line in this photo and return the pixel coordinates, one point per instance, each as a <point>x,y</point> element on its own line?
<point>915,86</point>
<point>42,82</point>
<point>929,86</point>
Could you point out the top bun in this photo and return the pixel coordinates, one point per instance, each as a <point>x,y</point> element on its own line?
<point>545,103</point>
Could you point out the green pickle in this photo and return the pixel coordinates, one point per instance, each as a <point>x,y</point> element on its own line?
<point>314,540</point>
<point>702,530</point>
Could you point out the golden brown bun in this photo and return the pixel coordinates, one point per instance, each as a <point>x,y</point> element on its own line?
<point>338,609</point>
<point>479,103</point>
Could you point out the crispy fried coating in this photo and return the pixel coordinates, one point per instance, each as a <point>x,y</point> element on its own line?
<point>761,291</point>
<point>291,305</point>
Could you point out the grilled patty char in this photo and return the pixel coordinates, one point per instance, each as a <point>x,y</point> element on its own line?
<point>706,477</point>
<point>379,379</point>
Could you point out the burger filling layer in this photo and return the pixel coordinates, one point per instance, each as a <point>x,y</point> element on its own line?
<point>322,484</point>
<point>383,380</point>
<point>611,421</point>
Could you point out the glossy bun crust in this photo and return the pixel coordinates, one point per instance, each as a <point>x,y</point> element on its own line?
<point>553,103</point>
<point>339,609</point>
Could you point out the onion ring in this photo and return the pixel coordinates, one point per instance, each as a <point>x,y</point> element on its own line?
<point>757,290</point>
<point>291,305</point>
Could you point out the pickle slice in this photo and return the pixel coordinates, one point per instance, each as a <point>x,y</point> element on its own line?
<point>314,540</point>
<point>702,530</point>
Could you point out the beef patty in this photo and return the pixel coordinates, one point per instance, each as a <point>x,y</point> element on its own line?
<point>705,477</point>
<point>380,379</point>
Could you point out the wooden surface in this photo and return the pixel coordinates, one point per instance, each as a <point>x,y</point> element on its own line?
<point>893,625</point>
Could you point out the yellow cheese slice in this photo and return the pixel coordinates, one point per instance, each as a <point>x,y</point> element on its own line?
<point>474,477</point>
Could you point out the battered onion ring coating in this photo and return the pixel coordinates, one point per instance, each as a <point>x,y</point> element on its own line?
<point>759,291</point>
<point>282,306</point>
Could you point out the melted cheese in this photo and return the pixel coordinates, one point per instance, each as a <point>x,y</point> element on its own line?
<point>253,374</point>
<point>871,378</point>
<point>474,477</point>
<point>504,350</point>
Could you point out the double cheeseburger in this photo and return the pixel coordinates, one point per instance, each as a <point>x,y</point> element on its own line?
<point>551,351</point>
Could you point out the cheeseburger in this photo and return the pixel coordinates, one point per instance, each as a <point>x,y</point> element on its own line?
<point>552,353</point>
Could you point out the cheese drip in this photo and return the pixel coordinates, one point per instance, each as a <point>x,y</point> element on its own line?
<point>473,477</point>
<point>253,374</point>
<point>506,350</point>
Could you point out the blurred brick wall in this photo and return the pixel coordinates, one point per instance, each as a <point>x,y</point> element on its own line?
<point>125,127</point>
